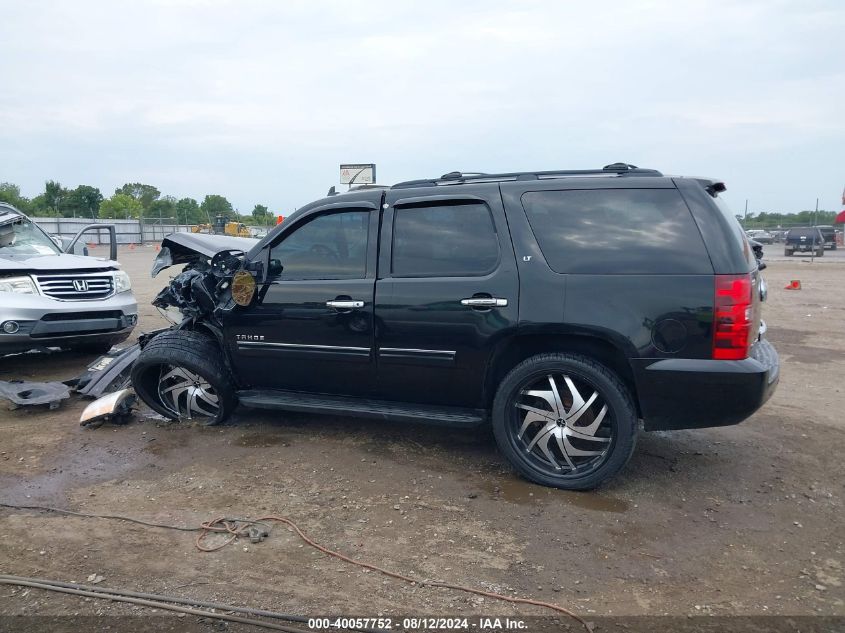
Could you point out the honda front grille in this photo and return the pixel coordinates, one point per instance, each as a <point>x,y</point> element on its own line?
<point>76,287</point>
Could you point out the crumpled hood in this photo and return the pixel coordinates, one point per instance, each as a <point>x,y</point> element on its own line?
<point>181,248</point>
<point>52,263</point>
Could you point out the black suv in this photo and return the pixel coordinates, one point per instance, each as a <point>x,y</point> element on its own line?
<point>803,240</point>
<point>561,307</point>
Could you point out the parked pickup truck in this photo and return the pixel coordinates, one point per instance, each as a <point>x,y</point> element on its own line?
<point>560,307</point>
<point>50,297</point>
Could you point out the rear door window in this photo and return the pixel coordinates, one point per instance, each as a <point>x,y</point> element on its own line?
<point>447,240</point>
<point>616,231</point>
<point>807,233</point>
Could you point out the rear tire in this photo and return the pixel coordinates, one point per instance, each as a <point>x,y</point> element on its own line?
<point>557,433</point>
<point>181,375</point>
<point>787,253</point>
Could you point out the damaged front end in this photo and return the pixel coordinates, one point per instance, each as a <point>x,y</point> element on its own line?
<point>204,287</point>
<point>213,279</point>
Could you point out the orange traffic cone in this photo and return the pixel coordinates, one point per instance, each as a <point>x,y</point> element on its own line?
<point>795,284</point>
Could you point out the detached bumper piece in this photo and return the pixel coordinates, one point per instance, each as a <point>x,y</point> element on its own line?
<point>22,393</point>
<point>687,394</point>
<point>108,373</point>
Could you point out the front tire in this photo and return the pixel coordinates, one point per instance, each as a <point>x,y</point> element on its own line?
<point>181,375</point>
<point>564,420</point>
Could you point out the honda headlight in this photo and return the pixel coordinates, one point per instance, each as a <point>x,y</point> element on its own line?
<point>18,285</point>
<point>122,283</point>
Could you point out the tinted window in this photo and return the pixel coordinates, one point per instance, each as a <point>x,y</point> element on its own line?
<point>616,231</point>
<point>444,241</point>
<point>808,233</point>
<point>736,227</point>
<point>327,247</point>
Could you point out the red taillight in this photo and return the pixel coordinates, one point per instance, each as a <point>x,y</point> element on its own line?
<point>732,317</point>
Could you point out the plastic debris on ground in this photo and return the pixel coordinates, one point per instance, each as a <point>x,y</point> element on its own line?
<point>24,393</point>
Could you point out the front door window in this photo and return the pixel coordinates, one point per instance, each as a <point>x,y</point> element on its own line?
<point>328,247</point>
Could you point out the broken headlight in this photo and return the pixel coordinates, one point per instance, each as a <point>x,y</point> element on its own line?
<point>122,283</point>
<point>172,314</point>
<point>18,285</point>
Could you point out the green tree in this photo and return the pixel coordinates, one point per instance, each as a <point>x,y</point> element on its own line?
<point>54,193</point>
<point>11,193</point>
<point>84,201</point>
<point>214,205</point>
<point>188,211</point>
<point>121,206</point>
<point>145,194</point>
<point>38,207</point>
<point>164,208</point>
<point>261,214</point>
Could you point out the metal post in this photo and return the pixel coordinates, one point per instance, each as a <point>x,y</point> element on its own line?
<point>815,213</point>
<point>745,217</point>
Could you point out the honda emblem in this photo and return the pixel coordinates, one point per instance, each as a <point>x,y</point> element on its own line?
<point>80,285</point>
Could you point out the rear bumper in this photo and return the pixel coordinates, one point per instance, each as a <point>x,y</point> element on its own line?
<point>679,393</point>
<point>809,247</point>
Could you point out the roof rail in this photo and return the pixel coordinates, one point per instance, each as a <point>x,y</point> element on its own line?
<point>458,177</point>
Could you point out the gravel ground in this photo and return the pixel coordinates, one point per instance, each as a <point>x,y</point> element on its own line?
<point>744,520</point>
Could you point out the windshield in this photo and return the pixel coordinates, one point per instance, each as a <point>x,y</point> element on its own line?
<point>23,237</point>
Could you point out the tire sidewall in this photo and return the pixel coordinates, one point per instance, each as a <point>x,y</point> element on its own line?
<point>210,369</point>
<point>623,418</point>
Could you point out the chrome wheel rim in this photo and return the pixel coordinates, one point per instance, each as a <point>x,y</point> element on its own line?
<point>557,429</point>
<point>187,395</point>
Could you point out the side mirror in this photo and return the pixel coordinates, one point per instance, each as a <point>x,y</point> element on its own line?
<point>275,268</point>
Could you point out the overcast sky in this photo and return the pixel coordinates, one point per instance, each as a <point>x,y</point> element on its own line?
<point>260,101</point>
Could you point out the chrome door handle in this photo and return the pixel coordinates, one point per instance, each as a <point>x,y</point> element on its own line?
<point>484,302</point>
<point>347,304</point>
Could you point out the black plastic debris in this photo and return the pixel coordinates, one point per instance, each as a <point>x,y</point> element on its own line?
<point>108,373</point>
<point>23,393</point>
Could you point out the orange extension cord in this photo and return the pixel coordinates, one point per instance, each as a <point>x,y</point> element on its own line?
<point>222,525</point>
<point>239,528</point>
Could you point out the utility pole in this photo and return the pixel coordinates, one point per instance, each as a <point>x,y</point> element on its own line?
<point>815,215</point>
<point>745,217</point>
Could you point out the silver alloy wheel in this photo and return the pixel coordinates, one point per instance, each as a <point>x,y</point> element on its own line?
<point>188,395</point>
<point>560,430</point>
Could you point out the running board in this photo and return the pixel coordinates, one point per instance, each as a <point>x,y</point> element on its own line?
<point>360,408</point>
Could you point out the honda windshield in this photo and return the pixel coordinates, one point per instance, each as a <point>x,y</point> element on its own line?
<point>21,236</point>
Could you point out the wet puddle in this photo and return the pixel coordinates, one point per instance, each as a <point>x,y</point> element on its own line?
<point>262,440</point>
<point>523,493</point>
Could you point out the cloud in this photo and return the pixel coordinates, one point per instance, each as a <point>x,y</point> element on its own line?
<point>264,99</point>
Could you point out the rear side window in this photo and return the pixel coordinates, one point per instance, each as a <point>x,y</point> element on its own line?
<point>616,231</point>
<point>454,240</point>
<point>808,233</point>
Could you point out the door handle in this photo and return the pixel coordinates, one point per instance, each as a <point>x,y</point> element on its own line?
<point>344,304</point>
<point>484,302</point>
